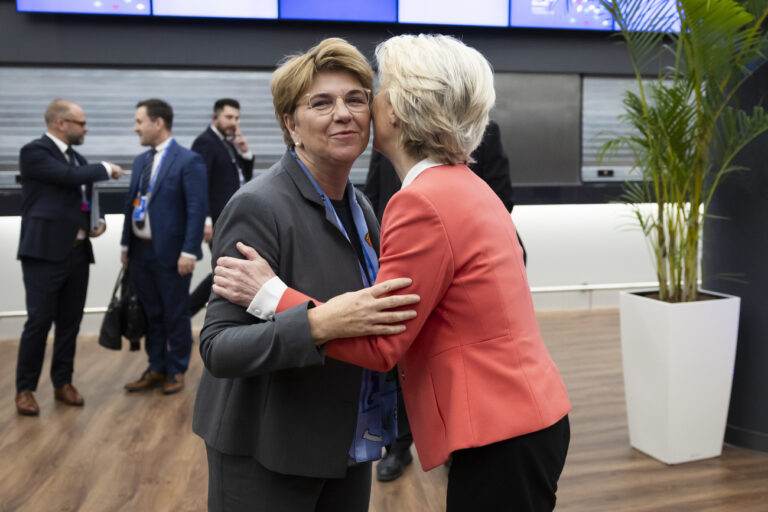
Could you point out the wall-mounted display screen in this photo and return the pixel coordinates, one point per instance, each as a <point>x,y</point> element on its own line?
<point>339,10</point>
<point>558,14</point>
<point>125,7</point>
<point>253,9</point>
<point>578,14</point>
<point>489,13</point>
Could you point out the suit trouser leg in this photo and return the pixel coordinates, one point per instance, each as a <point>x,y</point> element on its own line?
<point>404,436</point>
<point>200,295</point>
<point>140,269</point>
<point>69,314</point>
<point>242,484</point>
<point>42,283</point>
<point>174,294</point>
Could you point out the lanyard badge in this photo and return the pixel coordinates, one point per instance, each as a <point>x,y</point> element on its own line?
<point>140,208</point>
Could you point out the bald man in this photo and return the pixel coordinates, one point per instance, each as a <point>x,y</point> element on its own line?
<point>55,250</point>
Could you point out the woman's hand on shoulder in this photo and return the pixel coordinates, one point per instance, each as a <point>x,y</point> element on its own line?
<point>239,280</point>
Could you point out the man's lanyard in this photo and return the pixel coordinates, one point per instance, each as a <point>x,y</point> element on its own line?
<point>371,259</point>
<point>157,170</point>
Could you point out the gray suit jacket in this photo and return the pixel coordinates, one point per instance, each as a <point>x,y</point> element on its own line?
<point>266,390</point>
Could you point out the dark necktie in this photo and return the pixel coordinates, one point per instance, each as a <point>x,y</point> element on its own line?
<point>146,171</point>
<point>86,206</point>
<point>146,175</point>
<point>232,155</point>
<point>71,156</point>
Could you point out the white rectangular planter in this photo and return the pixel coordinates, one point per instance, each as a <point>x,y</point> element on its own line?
<point>678,367</point>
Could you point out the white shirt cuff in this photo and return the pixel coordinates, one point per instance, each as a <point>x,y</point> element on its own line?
<point>264,304</point>
<point>248,155</point>
<point>208,221</point>
<point>108,169</point>
<point>188,255</point>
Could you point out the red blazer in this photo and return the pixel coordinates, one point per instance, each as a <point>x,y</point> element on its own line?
<point>472,364</point>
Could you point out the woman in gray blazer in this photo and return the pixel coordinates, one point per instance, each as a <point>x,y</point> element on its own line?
<point>285,428</point>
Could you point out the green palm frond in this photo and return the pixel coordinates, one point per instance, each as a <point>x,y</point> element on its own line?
<point>684,130</point>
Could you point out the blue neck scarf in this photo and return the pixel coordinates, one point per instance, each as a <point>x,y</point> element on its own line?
<point>376,410</point>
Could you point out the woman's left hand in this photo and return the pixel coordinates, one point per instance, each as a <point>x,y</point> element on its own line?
<point>239,280</point>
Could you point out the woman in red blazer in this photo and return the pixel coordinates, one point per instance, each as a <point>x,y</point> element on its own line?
<point>477,380</point>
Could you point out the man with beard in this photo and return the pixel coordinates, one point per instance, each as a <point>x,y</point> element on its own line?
<point>165,211</point>
<point>55,250</point>
<point>229,164</point>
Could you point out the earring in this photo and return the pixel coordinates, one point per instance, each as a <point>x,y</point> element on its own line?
<point>297,143</point>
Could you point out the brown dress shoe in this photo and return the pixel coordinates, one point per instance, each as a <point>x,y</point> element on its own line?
<point>26,404</point>
<point>173,384</point>
<point>68,394</point>
<point>148,380</point>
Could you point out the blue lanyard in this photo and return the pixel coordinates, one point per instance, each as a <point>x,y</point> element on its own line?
<point>157,170</point>
<point>371,260</point>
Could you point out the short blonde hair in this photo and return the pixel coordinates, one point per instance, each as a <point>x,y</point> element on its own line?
<point>295,75</point>
<point>441,91</point>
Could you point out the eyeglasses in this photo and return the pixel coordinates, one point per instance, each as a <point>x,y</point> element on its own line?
<point>356,101</point>
<point>81,124</point>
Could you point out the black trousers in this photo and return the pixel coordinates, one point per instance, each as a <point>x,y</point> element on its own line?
<point>202,292</point>
<point>199,297</point>
<point>241,484</point>
<point>404,436</point>
<point>519,474</point>
<point>55,293</point>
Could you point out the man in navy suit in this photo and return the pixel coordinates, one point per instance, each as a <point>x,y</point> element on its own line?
<point>165,211</point>
<point>55,250</point>
<point>229,165</point>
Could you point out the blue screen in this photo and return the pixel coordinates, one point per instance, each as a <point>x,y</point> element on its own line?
<point>339,10</point>
<point>573,14</point>
<point>125,7</point>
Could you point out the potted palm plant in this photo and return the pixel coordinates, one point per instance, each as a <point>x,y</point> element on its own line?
<point>679,342</point>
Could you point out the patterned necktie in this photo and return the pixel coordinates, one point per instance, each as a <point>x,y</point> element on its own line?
<point>146,171</point>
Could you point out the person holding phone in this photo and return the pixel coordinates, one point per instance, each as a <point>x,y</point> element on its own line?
<point>229,164</point>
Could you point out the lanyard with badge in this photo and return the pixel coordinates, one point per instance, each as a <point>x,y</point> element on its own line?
<point>376,414</point>
<point>371,259</point>
<point>140,201</point>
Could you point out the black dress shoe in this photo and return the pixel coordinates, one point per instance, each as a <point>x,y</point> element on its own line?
<point>393,464</point>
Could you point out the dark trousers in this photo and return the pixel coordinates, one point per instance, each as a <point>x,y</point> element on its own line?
<point>404,437</point>
<point>164,295</point>
<point>55,293</point>
<point>202,292</point>
<point>519,474</point>
<point>241,484</point>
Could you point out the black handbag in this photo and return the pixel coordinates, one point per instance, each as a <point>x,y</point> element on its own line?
<point>110,335</point>
<point>134,321</point>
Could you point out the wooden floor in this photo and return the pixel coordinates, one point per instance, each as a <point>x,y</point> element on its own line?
<point>137,452</point>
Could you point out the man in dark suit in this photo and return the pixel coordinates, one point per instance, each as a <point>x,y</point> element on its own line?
<point>165,211</point>
<point>229,164</point>
<point>492,165</point>
<point>55,250</point>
